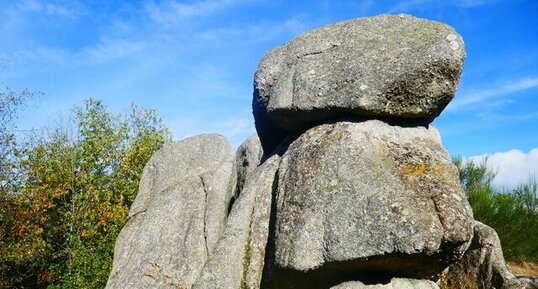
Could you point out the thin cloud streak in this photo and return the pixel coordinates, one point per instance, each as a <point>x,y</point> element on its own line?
<point>174,12</point>
<point>479,96</point>
<point>51,8</point>
<point>410,5</point>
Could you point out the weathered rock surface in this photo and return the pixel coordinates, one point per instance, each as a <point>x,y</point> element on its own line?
<point>483,265</point>
<point>388,65</point>
<point>178,215</point>
<point>395,283</point>
<point>529,282</point>
<point>368,196</point>
<point>248,157</point>
<point>238,260</point>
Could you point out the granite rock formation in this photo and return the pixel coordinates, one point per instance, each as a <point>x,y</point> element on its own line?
<point>348,185</point>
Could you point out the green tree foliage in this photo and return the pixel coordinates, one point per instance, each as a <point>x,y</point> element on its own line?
<point>78,187</point>
<point>512,213</point>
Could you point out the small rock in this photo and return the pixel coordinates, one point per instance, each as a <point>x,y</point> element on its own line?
<point>395,283</point>
<point>482,266</point>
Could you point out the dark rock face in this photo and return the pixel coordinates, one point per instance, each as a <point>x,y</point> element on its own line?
<point>178,215</point>
<point>483,265</point>
<point>383,66</point>
<point>248,158</point>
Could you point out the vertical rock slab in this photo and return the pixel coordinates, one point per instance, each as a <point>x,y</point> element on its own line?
<point>482,266</point>
<point>367,197</point>
<point>178,215</point>
<point>248,157</point>
<point>238,260</point>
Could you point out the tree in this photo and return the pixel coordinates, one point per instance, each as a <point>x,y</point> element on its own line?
<point>512,213</point>
<point>12,205</point>
<point>78,188</point>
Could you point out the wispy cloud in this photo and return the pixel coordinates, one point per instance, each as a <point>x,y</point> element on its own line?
<point>111,49</point>
<point>410,5</point>
<point>486,95</point>
<point>513,167</point>
<point>173,12</point>
<point>255,32</point>
<point>52,8</point>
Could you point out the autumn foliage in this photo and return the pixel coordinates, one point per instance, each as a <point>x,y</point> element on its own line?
<point>65,195</point>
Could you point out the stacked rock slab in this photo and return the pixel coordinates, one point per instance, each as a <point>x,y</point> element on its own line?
<point>368,196</point>
<point>365,188</point>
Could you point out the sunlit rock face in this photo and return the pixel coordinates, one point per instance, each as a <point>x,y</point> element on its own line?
<point>178,215</point>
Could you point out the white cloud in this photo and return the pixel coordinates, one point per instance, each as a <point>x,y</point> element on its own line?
<point>513,167</point>
<point>476,96</point>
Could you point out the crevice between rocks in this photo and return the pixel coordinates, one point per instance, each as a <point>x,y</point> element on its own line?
<point>136,214</point>
<point>205,215</point>
<point>333,45</point>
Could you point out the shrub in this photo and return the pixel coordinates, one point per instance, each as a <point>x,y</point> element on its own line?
<point>512,213</point>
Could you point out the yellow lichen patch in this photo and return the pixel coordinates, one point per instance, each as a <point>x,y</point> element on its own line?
<point>414,169</point>
<point>382,147</point>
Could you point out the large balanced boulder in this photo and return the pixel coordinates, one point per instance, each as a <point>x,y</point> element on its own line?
<point>482,266</point>
<point>238,260</point>
<point>383,66</point>
<point>178,215</point>
<point>367,196</point>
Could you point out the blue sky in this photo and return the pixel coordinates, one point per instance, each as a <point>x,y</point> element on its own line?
<point>193,61</point>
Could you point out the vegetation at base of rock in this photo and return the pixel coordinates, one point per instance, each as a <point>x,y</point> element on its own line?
<point>512,213</point>
<point>446,283</point>
<point>75,184</point>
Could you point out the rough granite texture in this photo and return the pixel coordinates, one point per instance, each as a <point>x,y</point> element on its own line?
<point>248,157</point>
<point>374,196</point>
<point>178,215</point>
<point>238,259</point>
<point>395,283</point>
<point>388,65</point>
<point>483,265</point>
